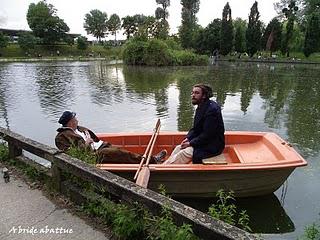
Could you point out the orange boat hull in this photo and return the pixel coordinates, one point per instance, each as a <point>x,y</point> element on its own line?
<point>256,163</point>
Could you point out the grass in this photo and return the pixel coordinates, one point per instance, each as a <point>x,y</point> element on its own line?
<point>14,51</point>
<point>225,210</point>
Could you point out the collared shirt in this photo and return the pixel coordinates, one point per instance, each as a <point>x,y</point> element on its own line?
<point>94,145</point>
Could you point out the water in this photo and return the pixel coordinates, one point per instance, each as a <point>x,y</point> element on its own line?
<point>255,97</point>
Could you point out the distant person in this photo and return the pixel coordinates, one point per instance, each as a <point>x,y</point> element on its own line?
<point>70,134</point>
<point>206,138</point>
<point>215,55</point>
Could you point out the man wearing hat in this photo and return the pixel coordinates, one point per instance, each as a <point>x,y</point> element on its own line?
<point>71,134</point>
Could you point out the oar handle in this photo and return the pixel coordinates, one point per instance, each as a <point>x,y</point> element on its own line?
<point>144,156</point>
<point>151,148</point>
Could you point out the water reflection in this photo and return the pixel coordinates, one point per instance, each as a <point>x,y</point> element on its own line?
<point>279,98</point>
<point>266,212</point>
<point>55,87</point>
<point>149,83</point>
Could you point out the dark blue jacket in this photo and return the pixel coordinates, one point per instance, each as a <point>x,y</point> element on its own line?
<point>207,134</point>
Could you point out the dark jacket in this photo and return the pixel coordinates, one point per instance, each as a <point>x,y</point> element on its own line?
<point>67,137</point>
<point>207,134</point>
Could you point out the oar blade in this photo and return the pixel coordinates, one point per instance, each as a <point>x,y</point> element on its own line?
<point>143,177</point>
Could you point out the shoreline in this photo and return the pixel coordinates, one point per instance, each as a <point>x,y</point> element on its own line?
<point>211,61</point>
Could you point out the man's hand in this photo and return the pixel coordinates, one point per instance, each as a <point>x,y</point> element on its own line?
<point>185,143</point>
<point>89,140</point>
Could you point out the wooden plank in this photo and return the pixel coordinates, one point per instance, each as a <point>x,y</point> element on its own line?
<point>28,144</point>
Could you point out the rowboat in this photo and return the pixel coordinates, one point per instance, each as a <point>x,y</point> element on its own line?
<point>252,164</point>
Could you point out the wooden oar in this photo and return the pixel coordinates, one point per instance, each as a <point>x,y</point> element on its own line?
<point>144,174</point>
<point>144,156</point>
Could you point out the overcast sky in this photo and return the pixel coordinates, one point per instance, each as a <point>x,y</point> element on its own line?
<point>13,12</point>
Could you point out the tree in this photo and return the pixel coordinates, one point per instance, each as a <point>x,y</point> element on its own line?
<point>226,41</point>
<point>43,21</point>
<point>95,23</point>
<point>188,26</point>
<point>271,39</point>
<point>129,25</point>
<point>208,39</point>
<point>312,38</point>
<point>27,41</point>
<point>290,14</point>
<point>114,24</point>
<point>301,11</point>
<point>253,33</point>
<point>240,27</point>
<point>162,25</point>
<point>82,43</point>
<point>3,40</point>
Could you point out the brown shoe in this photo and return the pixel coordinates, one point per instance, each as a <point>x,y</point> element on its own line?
<point>159,157</point>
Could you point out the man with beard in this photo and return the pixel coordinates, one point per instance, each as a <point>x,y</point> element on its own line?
<point>206,138</point>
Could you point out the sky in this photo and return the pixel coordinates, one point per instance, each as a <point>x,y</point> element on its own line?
<point>13,12</point>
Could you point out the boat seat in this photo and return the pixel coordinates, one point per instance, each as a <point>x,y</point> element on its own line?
<point>219,159</point>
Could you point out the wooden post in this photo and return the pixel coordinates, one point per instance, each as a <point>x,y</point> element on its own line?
<point>56,177</point>
<point>14,151</point>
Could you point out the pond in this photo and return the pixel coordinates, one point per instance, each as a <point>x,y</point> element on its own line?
<point>281,98</point>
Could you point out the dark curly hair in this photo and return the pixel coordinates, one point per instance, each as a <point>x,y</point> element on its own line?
<point>206,90</point>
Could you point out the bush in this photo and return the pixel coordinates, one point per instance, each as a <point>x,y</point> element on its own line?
<point>187,58</point>
<point>4,152</point>
<point>156,52</point>
<point>4,39</point>
<point>133,52</point>
<point>27,41</point>
<point>82,43</point>
<point>226,211</point>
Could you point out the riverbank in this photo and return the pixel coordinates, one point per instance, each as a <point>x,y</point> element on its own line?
<point>55,59</point>
<point>112,62</point>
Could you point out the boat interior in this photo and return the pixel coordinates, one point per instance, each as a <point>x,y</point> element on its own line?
<point>241,147</point>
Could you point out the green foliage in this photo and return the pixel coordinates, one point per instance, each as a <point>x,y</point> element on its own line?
<point>27,41</point>
<point>311,232</point>
<point>133,52</point>
<point>3,40</point>
<point>95,23</point>
<point>83,154</point>
<point>45,24</point>
<point>105,209</point>
<point>114,25</point>
<point>157,53</point>
<point>290,13</point>
<point>82,43</point>
<point>187,58</point>
<point>188,22</point>
<point>226,211</point>
<point>312,37</point>
<point>161,13</point>
<point>208,39</point>
<point>226,37</point>
<point>129,223</point>
<point>271,39</point>
<point>240,27</point>
<point>173,43</point>
<point>253,33</point>
<point>129,26</point>
<point>165,229</point>
<point>4,152</point>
